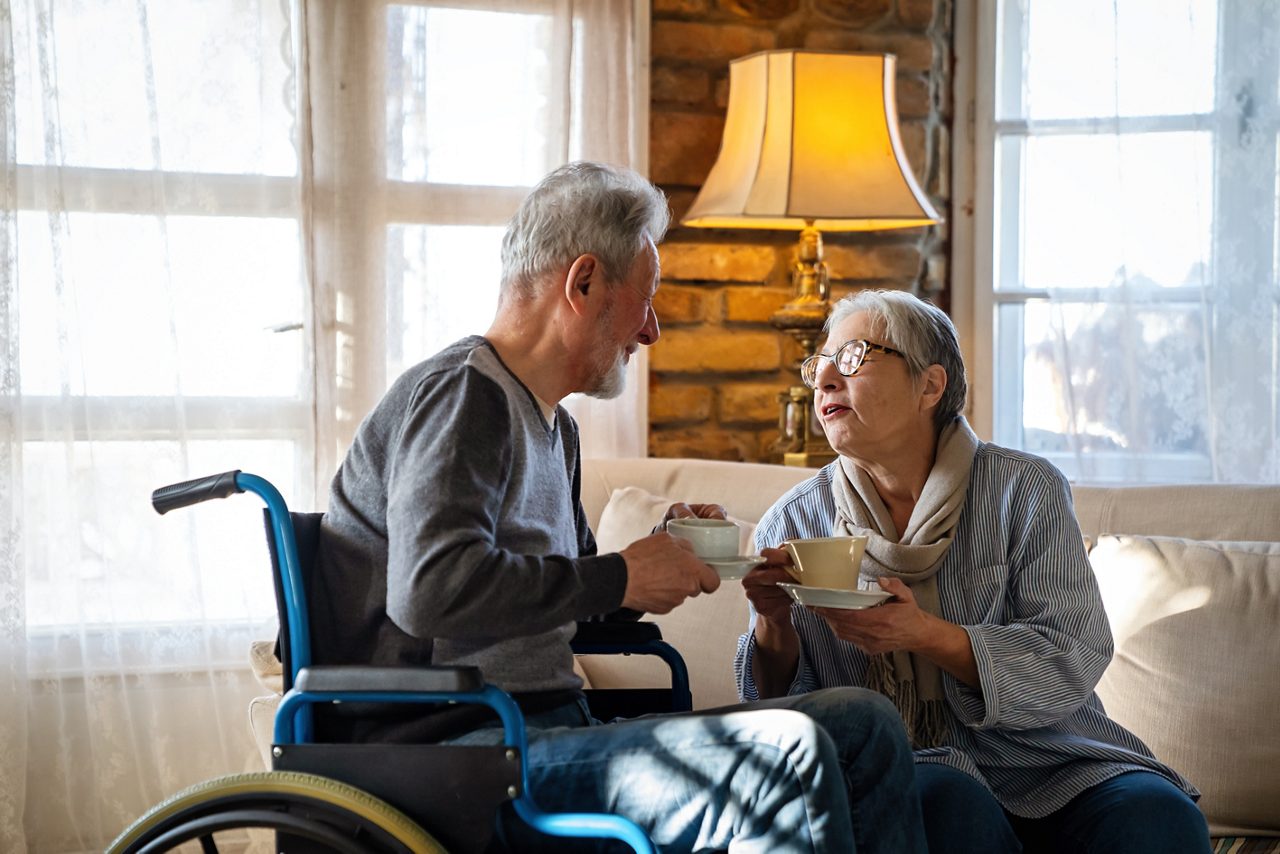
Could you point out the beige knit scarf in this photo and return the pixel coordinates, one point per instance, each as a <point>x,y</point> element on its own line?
<point>912,682</point>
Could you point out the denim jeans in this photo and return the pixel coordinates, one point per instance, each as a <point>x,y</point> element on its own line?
<point>1137,812</point>
<point>828,771</point>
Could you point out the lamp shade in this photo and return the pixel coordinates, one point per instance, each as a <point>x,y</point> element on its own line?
<point>811,137</point>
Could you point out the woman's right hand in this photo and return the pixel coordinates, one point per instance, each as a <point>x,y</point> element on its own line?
<point>772,604</point>
<point>777,643</point>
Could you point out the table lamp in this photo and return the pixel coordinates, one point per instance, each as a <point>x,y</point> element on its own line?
<point>810,144</point>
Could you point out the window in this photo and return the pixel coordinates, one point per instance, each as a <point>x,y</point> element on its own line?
<point>160,300</point>
<point>228,243</point>
<point>1126,224</point>
<point>489,71</point>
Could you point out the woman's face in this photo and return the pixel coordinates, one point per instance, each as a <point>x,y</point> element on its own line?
<point>877,408</point>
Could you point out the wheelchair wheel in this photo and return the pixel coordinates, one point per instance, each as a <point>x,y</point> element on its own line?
<point>327,813</point>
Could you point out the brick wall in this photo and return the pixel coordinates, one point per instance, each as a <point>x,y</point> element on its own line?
<point>717,370</point>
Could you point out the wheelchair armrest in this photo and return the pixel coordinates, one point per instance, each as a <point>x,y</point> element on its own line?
<point>360,684</point>
<point>619,634</point>
<point>619,638</point>
<point>389,679</point>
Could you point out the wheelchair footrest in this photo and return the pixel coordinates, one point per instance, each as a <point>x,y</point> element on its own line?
<point>453,792</point>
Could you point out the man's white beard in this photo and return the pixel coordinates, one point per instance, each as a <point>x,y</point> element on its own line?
<point>610,382</point>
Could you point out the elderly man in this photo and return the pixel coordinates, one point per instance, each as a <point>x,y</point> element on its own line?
<point>455,536</point>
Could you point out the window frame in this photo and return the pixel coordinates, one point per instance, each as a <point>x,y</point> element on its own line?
<point>977,298</point>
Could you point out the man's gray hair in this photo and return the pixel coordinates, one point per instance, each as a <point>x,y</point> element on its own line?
<point>581,208</point>
<point>922,331</point>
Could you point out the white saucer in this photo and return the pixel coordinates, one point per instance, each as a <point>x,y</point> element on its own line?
<point>825,597</point>
<point>733,568</point>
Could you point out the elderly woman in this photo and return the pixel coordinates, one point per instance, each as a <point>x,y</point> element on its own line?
<point>995,636</point>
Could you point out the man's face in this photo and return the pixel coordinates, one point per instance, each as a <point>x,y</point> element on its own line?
<point>626,322</point>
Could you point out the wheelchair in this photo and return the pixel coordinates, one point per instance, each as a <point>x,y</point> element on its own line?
<point>368,798</point>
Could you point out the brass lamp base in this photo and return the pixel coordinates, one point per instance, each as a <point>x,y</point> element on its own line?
<point>801,441</point>
<point>804,459</point>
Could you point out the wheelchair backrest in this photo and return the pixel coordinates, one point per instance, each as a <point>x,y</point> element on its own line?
<point>306,532</point>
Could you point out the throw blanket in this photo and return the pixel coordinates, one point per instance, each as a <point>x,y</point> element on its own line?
<point>912,682</point>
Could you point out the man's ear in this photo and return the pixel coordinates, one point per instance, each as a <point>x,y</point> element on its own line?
<point>584,273</point>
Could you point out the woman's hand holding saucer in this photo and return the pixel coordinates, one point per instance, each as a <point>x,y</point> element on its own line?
<point>897,624</point>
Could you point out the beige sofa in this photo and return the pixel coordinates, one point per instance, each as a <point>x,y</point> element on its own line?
<point>1190,576</point>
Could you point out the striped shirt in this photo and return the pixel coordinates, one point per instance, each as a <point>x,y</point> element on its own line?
<point>1017,580</point>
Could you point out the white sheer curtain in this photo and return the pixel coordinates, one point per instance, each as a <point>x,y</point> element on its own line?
<point>408,202</point>
<point>223,234</point>
<point>612,42</point>
<point>1138,304</point>
<point>152,253</point>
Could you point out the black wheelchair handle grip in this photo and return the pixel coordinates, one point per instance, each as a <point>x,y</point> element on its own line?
<point>190,492</point>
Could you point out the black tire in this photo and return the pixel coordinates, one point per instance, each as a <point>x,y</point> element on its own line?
<point>325,811</point>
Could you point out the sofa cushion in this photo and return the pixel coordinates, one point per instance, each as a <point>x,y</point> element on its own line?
<point>633,513</point>
<point>704,629</point>
<point>1195,665</point>
<point>266,667</point>
<point>746,490</point>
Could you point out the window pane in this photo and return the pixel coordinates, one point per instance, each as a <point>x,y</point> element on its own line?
<point>140,305</point>
<point>1088,58</point>
<point>468,98</point>
<point>442,284</point>
<point>168,84</point>
<point>96,553</point>
<point>1103,211</point>
<point>1079,389</point>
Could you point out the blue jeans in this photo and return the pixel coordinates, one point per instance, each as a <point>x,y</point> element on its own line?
<point>826,771</point>
<point>1137,812</point>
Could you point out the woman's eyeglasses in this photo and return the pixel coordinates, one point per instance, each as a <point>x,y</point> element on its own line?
<point>848,358</point>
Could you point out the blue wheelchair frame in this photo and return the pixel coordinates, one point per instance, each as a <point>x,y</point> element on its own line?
<point>293,723</point>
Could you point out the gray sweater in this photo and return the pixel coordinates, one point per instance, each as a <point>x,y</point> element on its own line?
<point>454,533</point>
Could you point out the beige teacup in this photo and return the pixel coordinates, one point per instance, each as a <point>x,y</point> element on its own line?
<point>711,538</point>
<point>832,562</point>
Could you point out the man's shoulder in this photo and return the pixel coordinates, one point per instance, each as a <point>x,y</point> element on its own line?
<point>447,387</point>
<point>468,367</point>
<point>454,358</point>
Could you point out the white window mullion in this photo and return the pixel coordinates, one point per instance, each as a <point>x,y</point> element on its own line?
<point>451,204</point>
<point>344,197</point>
<point>175,193</point>
<point>119,419</point>
<point>1106,125</point>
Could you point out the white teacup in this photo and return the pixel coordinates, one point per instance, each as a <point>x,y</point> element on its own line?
<point>712,538</point>
<point>832,562</point>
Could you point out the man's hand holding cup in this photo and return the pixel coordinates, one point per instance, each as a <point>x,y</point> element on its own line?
<point>665,568</point>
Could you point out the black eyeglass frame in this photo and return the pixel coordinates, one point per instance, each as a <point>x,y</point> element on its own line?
<point>809,367</point>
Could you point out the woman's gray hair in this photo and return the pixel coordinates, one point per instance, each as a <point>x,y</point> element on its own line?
<point>924,334</point>
<point>581,208</point>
